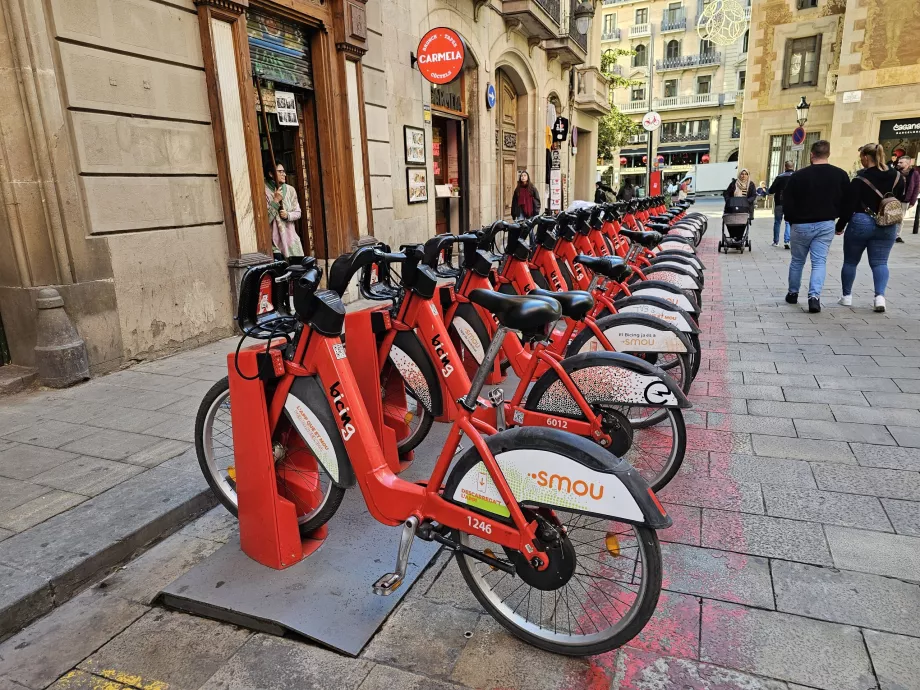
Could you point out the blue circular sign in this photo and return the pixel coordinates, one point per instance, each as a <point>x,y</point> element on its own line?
<point>490,96</point>
<point>798,136</point>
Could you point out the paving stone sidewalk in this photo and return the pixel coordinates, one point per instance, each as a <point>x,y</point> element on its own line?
<point>794,560</point>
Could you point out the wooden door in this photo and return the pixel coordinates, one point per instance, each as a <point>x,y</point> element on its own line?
<point>506,143</point>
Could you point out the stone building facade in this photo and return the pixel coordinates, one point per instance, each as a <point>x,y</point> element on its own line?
<point>696,87</point>
<point>133,135</point>
<point>856,62</point>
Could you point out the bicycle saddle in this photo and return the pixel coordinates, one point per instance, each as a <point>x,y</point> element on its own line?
<point>658,227</point>
<point>646,239</point>
<point>612,267</point>
<point>528,314</point>
<point>575,304</point>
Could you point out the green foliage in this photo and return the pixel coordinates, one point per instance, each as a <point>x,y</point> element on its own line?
<point>615,129</point>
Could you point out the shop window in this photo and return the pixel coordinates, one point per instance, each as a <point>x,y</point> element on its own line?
<point>670,88</point>
<point>673,50</point>
<point>704,85</point>
<point>781,151</point>
<point>642,16</point>
<point>640,59</point>
<point>800,67</point>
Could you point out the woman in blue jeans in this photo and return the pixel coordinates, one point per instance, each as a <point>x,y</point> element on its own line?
<point>863,233</point>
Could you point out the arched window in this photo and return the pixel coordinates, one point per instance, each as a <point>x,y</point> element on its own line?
<point>640,59</point>
<point>744,43</point>
<point>673,49</point>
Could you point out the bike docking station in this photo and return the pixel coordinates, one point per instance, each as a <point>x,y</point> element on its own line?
<point>318,586</point>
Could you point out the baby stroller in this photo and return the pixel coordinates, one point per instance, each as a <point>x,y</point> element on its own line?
<point>736,225</point>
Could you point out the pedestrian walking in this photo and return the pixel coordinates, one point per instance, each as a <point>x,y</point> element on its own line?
<point>776,189</point>
<point>812,201</point>
<point>628,192</point>
<point>740,188</point>
<point>603,193</point>
<point>684,190</point>
<point>872,211</point>
<point>911,176</point>
<point>526,200</point>
<point>283,210</point>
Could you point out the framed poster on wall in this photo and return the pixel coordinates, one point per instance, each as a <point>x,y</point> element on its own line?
<point>415,145</point>
<point>417,185</point>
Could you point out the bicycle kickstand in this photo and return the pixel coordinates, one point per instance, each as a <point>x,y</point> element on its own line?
<point>390,582</point>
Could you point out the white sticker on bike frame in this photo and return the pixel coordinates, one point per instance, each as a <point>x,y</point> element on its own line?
<point>550,479</point>
<point>470,339</point>
<point>637,338</point>
<point>681,281</point>
<point>412,375</point>
<point>314,434</point>
<point>675,318</point>
<point>678,300</point>
<point>605,385</point>
<point>339,349</point>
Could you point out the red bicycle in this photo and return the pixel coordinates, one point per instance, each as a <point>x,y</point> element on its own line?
<point>554,536</point>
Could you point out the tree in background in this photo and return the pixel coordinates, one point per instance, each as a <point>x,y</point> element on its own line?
<point>615,129</point>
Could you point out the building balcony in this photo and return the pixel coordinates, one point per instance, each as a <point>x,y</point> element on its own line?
<point>674,21</point>
<point>640,30</point>
<point>613,3</point>
<point>666,138</point>
<point>688,61</point>
<point>700,100</point>
<point>536,19</point>
<point>592,92</point>
<point>730,97</point>
<point>612,35</point>
<point>568,46</point>
<point>633,106</point>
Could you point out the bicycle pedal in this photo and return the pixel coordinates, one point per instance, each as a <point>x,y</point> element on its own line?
<point>387,584</point>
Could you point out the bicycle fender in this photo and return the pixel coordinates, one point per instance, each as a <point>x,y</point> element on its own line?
<point>672,275</point>
<point>554,469</point>
<point>672,244</point>
<point>461,323</point>
<point>668,262</point>
<point>409,356</point>
<point>659,308</point>
<point>692,259</point>
<point>641,333</point>
<point>307,408</point>
<point>612,378</point>
<point>672,293</point>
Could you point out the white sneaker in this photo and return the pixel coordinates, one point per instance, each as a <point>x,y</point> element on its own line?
<point>775,244</point>
<point>879,303</point>
<point>846,301</point>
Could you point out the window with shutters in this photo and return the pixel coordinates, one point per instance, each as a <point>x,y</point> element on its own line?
<point>800,67</point>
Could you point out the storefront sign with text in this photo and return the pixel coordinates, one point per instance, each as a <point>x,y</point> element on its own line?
<point>440,56</point>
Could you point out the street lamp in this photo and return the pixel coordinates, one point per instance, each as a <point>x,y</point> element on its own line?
<point>801,112</point>
<point>583,13</point>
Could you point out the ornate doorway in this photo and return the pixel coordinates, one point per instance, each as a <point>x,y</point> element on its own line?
<point>506,142</point>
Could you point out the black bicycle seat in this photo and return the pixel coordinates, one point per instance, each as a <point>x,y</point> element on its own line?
<point>646,239</point>
<point>528,314</point>
<point>575,303</point>
<point>658,227</point>
<point>612,267</point>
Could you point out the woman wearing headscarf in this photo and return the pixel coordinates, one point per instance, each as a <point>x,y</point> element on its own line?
<point>861,218</point>
<point>283,210</point>
<point>741,187</point>
<point>526,200</point>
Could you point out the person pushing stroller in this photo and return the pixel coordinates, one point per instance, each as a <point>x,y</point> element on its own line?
<point>738,213</point>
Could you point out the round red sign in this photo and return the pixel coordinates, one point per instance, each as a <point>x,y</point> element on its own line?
<point>440,55</point>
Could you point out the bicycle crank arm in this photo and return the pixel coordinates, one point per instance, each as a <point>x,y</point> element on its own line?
<point>390,582</point>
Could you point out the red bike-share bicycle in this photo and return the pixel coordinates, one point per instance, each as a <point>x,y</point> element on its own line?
<point>554,536</point>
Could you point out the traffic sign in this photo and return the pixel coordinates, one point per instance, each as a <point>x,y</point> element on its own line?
<point>490,96</point>
<point>798,139</point>
<point>651,121</point>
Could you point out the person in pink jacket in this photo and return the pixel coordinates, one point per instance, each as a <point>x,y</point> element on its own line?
<point>283,210</point>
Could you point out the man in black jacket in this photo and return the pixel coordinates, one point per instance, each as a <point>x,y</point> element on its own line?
<point>601,191</point>
<point>776,189</point>
<point>812,202</point>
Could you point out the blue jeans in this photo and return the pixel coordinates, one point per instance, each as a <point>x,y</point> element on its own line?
<point>814,239</point>
<point>863,234</point>
<point>777,224</point>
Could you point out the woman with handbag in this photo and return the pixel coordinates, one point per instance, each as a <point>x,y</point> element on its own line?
<point>871,215</point>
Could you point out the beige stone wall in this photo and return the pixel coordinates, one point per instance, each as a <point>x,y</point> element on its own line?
<point>109,177</point>
<point>395,95</point>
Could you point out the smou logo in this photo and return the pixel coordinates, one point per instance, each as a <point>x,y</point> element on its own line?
<point>447,369</point>
<point>342,409</point>
<point>563,484</point>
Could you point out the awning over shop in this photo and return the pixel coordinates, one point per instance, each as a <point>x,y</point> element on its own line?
<point>633,152</point>
<point>693,148</point>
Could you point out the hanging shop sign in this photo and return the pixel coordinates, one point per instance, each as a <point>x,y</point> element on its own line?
<point>279,50</point>
<point>555,189</point>
<point>286,109</point>
<point>440,56</point>
<point>561,129</point>
<point>903,128</point>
